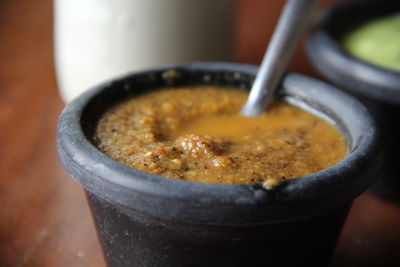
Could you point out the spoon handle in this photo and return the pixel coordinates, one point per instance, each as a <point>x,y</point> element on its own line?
<point>291,26</point>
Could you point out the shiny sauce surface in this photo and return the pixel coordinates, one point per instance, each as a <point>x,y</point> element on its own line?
<point>197,134</point>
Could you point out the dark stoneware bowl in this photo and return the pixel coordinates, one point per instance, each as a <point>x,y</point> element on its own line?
<point>379,87</point>
<point>331,59</point>
<point>147,220</point>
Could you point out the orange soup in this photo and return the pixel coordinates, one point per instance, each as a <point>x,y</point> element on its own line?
<point>197,134</point>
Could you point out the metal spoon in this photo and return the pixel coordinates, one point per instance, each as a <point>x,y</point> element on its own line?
<point>291,26</point>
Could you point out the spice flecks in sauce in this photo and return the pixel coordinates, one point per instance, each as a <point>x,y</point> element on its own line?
<point>197,134</point>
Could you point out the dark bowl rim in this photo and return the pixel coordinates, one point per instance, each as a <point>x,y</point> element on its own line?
<point>340,66</point>
<point>87,164</point>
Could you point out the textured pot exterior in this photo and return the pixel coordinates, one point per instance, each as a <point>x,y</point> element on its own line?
<point>130,238</point>
<point>147,220</point>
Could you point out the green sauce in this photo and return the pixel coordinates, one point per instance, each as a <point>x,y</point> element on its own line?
<point>377,42</point>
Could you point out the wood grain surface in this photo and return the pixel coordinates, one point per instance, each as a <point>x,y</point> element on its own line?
<point>44,217</point>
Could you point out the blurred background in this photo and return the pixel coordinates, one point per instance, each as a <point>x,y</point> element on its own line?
<point>44,218</point>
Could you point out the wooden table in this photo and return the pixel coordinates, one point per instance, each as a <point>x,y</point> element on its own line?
<point>44,218</point>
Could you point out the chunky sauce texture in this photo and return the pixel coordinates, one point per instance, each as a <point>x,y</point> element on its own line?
<point>197,134</point>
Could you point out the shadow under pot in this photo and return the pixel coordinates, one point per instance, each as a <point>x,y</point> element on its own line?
<point>147,220</point>
<point>377,86</point>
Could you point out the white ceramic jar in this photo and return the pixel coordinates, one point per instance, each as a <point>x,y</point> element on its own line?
<point>96,40</point>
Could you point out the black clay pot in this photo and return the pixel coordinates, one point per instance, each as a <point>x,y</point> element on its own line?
<point>378,87</point>
<point>147,220</point>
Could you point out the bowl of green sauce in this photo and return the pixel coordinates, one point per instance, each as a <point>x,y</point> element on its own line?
<point>377,41</point>
<point>356,45</point>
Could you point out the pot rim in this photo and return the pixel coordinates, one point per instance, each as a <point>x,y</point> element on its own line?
<point>341,67</point>
<point>195,201</point>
